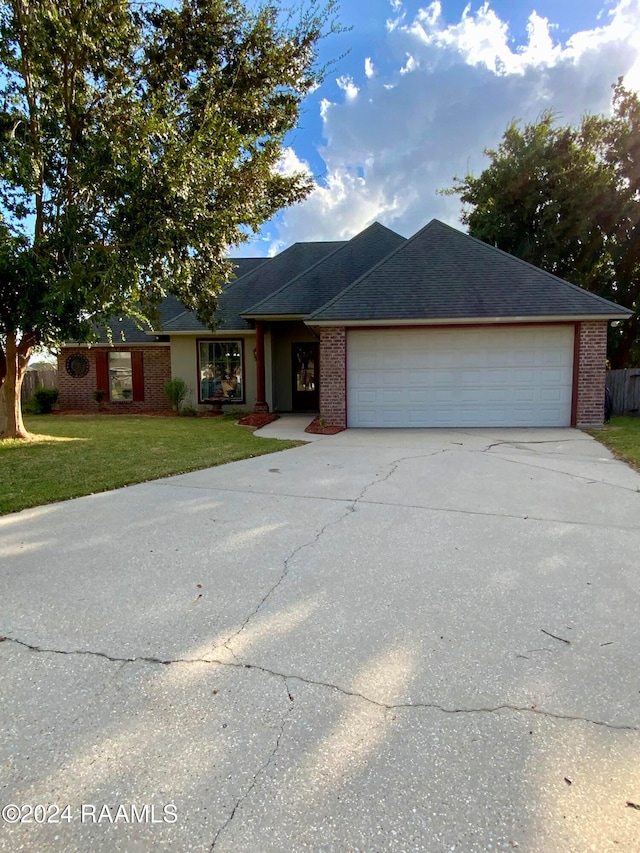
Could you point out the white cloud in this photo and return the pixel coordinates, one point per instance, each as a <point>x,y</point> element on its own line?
<point>369,70</point>
<point>482,38</point>
<point>348,87</point>
<point>290,163</point>
<point>397,137</point>
<point>410,65</point>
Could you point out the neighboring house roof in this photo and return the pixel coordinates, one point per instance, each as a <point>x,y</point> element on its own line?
<point>256,285</point>
<point>329,276</point>
<point>443,274</point>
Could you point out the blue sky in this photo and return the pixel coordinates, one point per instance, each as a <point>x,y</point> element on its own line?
<point>425,87</point>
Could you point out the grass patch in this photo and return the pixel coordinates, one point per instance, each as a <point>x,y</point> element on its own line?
<point>622,437</point>
<point>71,456</point>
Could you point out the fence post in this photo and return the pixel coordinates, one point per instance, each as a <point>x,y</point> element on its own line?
<point>625,389</point>
<point>37,379</point>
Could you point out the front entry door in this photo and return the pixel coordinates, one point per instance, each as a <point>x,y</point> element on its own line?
<point>304,367</point>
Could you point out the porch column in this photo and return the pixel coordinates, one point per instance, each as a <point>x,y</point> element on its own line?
<point>261,403</point>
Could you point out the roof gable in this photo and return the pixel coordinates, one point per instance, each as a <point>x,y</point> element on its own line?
<point>256,285</point>
<point>123,329</point>
<point>442,273</point>
<point>315,286</point>
<point>169,312</point>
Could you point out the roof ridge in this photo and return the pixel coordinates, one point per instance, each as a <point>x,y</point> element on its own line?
<point>252,308</point>
<point>555,278</point>
<point>374,267</point>
<point>230,284</point>
<point>345,244</point>
<point>282,254</point>
<point>452,254</point>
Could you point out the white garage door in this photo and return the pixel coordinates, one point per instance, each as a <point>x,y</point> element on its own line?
<point>460,377</point>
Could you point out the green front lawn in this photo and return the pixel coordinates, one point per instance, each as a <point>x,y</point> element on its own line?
<point>79,455</point>
<point>622,437</point>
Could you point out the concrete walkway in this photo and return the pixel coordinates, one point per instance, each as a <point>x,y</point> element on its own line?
<point>289,427</point>
<point>403,640</point>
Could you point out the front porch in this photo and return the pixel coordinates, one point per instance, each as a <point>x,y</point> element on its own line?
<point>289,353</point>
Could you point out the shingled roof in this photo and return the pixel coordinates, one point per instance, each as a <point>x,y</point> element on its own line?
<point>124,329</point>
<point>329,276</point>
<point>443,274</point>
<point>256,285</point>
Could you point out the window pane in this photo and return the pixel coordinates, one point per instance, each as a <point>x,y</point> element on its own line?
<point>221,370</point>
<point>120,376</point>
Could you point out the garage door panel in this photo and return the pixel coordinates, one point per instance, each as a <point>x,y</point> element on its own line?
<point>365,397</point>
<point>446,377</point>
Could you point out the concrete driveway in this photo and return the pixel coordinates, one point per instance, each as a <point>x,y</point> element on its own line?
<point>381,641</point>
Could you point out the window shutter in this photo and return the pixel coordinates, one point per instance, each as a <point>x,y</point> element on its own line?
<point>102,372</point>
<point>137,375</point>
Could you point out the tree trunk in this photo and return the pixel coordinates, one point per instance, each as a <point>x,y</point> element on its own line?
<point>17,358</point>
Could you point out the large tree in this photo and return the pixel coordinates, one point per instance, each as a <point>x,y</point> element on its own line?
<point>137,143</point>
<point>567,199</point>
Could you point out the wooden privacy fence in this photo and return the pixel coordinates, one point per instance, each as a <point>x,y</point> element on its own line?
<point>38,379</point>
<point>625,388</point>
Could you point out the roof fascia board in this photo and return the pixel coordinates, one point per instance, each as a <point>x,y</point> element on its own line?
<point>208,333</point>
<point>84,345</point>
<point>466,321</point>
<point>273,316</point>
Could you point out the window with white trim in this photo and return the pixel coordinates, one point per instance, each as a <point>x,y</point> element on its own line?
<point>120,377</point>
<point>220,366</point>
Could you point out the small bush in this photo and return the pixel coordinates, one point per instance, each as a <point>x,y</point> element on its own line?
<point>45,399</point>
<point>99,396</point>
<point>175,391</point>
<point>188,412</point>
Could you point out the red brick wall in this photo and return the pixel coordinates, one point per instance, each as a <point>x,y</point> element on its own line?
<point>592,372</point>
<point>333,376</point>
<point>77,393</point>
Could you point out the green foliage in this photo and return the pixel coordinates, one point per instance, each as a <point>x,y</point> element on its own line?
<point>175,391</point>
<point>137,143</point>
<point>45,399</point>
<point>567,199</point>
<point>87,454</point>
<point>622,436</point>
<point>188,412</point>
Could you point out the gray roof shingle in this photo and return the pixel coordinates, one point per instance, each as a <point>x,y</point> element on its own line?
<point>125,330</point>
<point>331,275</point>
<point>442,273</point>
<point>256,285</point>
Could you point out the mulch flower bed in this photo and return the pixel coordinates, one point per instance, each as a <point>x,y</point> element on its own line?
<point>148,413</point>
<point>316,428</point>
<point>257,420</point>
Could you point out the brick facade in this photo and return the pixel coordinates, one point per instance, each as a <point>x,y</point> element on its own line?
<point>333,376</point>
<point>78,393</point>
<point>592,371</point>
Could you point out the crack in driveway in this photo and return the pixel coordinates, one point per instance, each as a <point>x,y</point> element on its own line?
<point>351,507</point>
<point>556,471</point>
<point>312,682</point>
<point>283,575</point>
<point>593,524</point>
<point>261,770</point>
